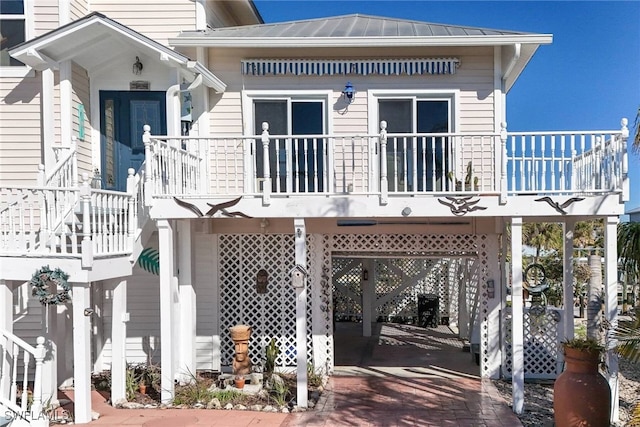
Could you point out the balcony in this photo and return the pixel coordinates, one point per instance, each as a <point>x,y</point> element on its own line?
<point>385,165</point>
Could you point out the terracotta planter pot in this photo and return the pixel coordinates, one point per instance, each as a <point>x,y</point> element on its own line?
<point>143,388</point>
<point>239,382</point>
<point>581,395</point>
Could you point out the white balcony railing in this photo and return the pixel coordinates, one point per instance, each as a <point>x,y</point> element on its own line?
<point>388,165</point>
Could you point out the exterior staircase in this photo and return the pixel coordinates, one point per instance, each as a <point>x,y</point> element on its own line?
<point>62,222</point>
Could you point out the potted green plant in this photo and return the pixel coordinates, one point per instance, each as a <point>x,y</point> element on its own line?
<point>581,394</point>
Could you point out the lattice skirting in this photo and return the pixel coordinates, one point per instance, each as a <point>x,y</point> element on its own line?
<point>272,314</point>
<point>542,336</point>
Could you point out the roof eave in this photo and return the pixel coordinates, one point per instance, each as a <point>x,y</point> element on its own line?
<point>291,42</point>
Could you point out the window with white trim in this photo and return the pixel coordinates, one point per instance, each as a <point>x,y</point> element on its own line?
<point>12,29</point>
<point>418,161</point>
<point>296,164</point>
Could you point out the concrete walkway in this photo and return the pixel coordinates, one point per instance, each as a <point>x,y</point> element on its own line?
<point>402,376</point>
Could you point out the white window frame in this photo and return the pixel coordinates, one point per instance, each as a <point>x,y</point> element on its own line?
<point>453,96</point>
<point>28,18</point>
<point>373,96</point>
<point>249,96</point>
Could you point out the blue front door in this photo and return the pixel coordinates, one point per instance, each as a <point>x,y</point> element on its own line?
<point>123,115</point>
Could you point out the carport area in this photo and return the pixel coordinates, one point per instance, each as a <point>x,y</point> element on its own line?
<point>405,375</point>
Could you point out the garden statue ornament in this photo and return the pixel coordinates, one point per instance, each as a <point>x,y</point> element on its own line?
<point>240,335</point>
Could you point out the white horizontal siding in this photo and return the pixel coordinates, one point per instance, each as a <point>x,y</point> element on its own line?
<point>143,305</point>
<point>20,152</point>
<point>78,9</point>
<point>80,84</point>
<point>158,20</point>
<point>45,17</point>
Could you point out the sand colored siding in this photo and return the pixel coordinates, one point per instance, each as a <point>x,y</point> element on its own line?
<point>159,20</point>
<point>80,84</point>
<point>78,9</point>
<point>473,83</point>
<point>45,17</point>
<point>143,304</point>
<point>20,130</point>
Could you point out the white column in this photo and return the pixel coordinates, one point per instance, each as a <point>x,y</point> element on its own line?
<point>6,323</point>
<point>301,313</point>
<point>81,299</point>
<point>494,298</point>
<point>50,364</point>
<point>216,354</point>
<point>48,122</point>
<point>186,281</point>
<point>168,296</point>
<point>517,319</point>
<point>368,286</point>
<point>119,319</point>
<point>611,309</point>
<point>567,278</point>
<point>65,103</point>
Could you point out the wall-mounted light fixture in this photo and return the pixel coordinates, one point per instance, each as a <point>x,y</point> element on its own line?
<point>137,67</point>
<point>349,92</point>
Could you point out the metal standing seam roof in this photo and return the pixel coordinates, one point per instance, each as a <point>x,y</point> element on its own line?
<point>348,26</point>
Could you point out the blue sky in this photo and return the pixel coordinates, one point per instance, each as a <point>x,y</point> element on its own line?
<point>587,79</point>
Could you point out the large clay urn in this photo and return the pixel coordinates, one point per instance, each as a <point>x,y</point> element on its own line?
<point>581,395</point>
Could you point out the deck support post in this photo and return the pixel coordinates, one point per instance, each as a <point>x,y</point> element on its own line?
<point>186,281</point>
<point>301,312</point>
<point>168,301</point>
<point>611,310</point>
<point>119,318</point>
<point>81,300</point>
<point>6,323</point>
<point>517,316</point>
<point>567,280</point>
<point>368,285</point>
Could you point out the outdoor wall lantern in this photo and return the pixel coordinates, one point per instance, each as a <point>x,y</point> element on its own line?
<point>137,67</point>
<point>349,92</point>
<point>365,274</point>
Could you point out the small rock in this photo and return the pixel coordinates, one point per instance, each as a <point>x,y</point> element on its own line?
<point>256,407</point>
<point>182,406</point>
<point>150,406</point>
<point>95,415</point>
<point>132,405</point>
<point>214,404</point>
<point>311,404</point>
<point>228,406</point>
<point>284,410</point>
<point>198,406</point>
<point>240,408</point>
<point>269,408</point>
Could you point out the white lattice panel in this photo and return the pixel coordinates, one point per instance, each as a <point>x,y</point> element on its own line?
<point>542,358</point>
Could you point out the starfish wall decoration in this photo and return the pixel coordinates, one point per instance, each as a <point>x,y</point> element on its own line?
<point>557,206</point>
<point>461,205</point>
<point>222,207</point>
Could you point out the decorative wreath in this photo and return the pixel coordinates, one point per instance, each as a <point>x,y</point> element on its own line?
<point>45,284</point>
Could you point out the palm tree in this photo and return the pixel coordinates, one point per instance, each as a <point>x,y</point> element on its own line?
<point>542,236</point>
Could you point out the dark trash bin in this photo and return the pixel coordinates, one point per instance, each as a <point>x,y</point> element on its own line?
<point>428,309</point>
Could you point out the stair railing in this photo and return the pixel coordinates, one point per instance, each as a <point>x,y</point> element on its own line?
<point>17,355</point>
<point>65,171</point>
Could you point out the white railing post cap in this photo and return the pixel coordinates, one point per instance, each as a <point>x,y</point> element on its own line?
<point>383,125</point>
<point>265,126</point>
<point>131,171</point>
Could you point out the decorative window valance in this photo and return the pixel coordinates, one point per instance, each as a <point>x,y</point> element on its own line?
<point>385,67</point>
